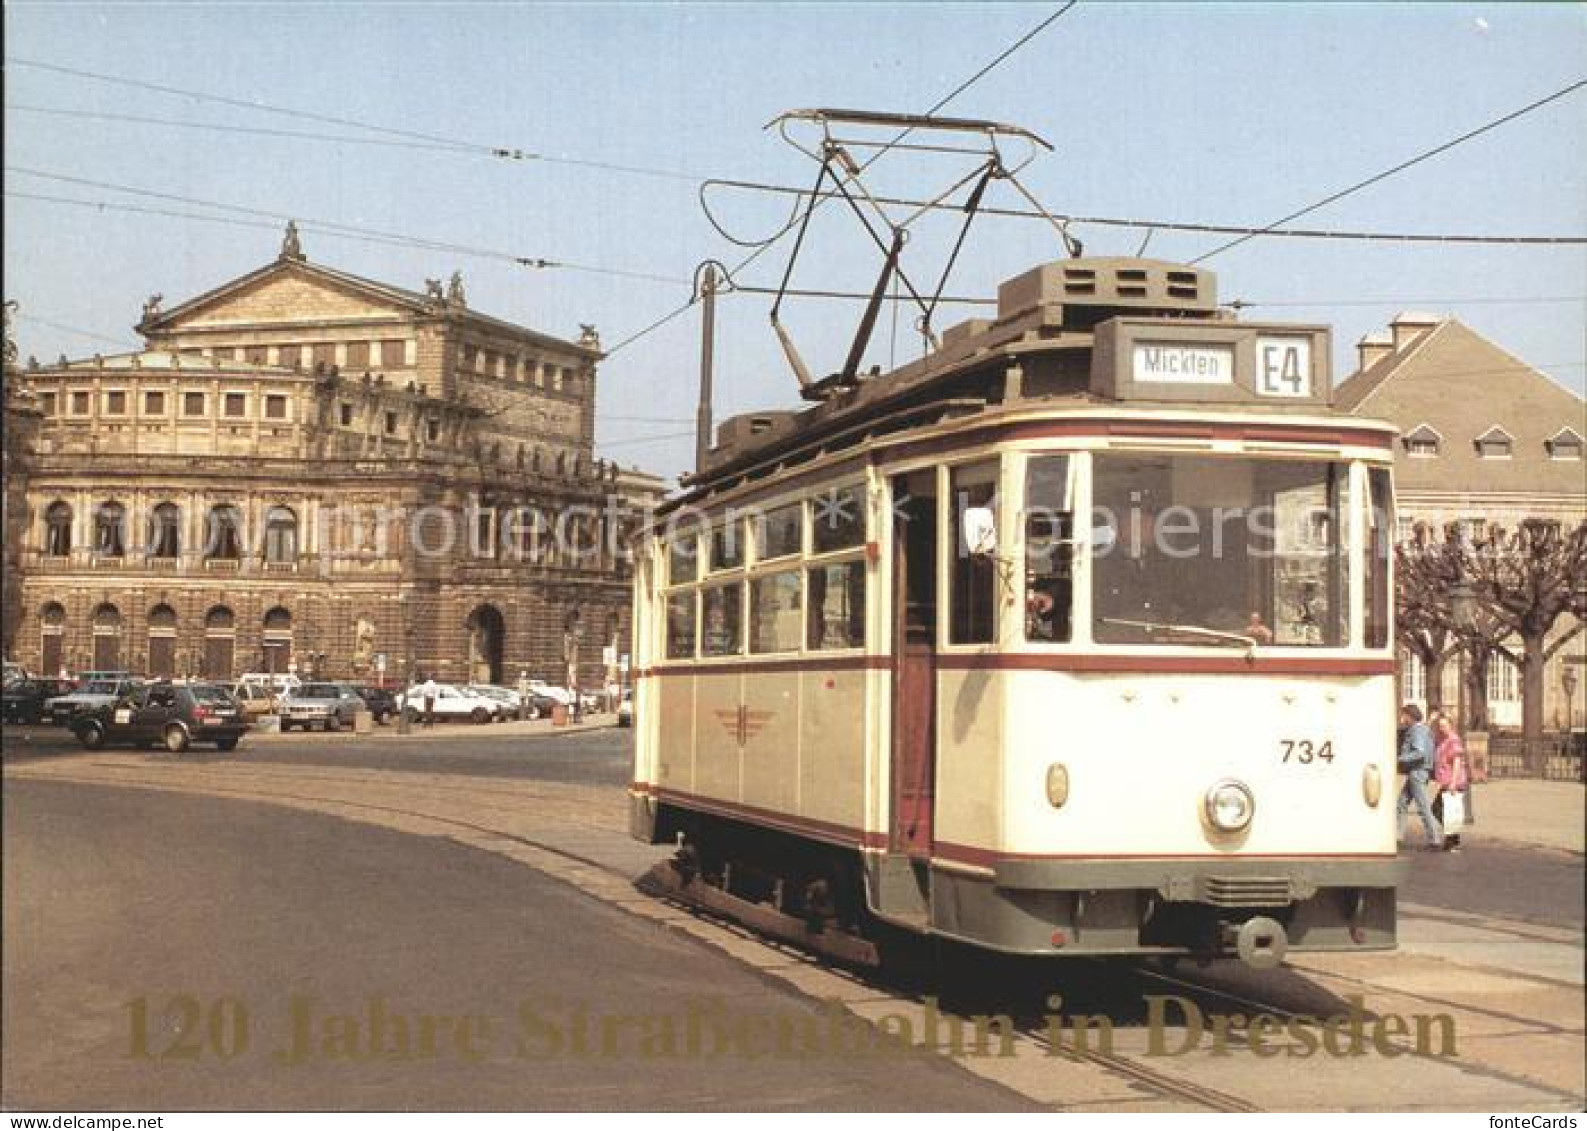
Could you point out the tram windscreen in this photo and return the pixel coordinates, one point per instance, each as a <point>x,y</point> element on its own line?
<point>1219,551</point>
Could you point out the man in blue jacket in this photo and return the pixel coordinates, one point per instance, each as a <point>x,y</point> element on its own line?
<point>1416,763</point>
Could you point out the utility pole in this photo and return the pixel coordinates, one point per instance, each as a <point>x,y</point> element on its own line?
<point>702,439</point>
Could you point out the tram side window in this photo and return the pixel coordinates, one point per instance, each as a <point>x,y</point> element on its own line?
<point>683,559</point>
<point>779,533</point>
<point>1380,549</point>
<point>837,607</point>
<point>774,612</point>
<point>973,611</point>
<point>727,545</point>
<point>680,626</point>
<point>837,520</point>
<point>722,611</point>
<point>1049,548</point>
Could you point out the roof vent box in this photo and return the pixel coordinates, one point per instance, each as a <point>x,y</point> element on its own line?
<point>1139,284</point>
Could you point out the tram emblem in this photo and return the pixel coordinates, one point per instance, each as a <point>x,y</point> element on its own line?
<point>744,724</point>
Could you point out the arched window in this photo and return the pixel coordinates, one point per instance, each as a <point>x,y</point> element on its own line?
<point>162,642</point>
<point>52,623</point>
<point>281,536</point>
<point>220,635</point>
<point>165,531</point>
<point>58,530</point>
<point>223,534</point>
<point>107,638</point>
<point>277,651</point>
<point>110,530</point>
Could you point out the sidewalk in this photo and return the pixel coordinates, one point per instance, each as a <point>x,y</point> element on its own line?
<point>1540,814</point>
<point>441,732</point>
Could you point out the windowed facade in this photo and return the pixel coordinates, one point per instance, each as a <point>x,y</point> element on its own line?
<point>116,402</point>
<point>153,403</point>
<point>281,536</point>
<point>165,531</point>
<point>235,405</point>
<point>192,404</point>
<point>110,530</point>
<point>58,530</point>
<point>275,406</point>
<point>1495,444</point>
<point>223,534</point>
<point>1565,445</point>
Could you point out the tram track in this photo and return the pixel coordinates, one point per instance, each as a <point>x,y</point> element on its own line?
<point>308,790</point>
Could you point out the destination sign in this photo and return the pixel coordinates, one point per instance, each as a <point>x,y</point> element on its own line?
<point>1183,364</point>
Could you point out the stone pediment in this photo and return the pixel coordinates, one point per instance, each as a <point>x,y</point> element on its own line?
<point>286,297</point>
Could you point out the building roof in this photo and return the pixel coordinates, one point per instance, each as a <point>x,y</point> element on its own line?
<point>430,305</point>
<point>1461,387</point>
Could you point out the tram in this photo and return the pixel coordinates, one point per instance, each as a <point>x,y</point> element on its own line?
<point>1071,638</point>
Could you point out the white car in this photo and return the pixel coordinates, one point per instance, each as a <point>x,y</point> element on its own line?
<point>452,704</point>
<point>541,687</point>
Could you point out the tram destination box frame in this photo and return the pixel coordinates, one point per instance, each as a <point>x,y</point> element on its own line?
<point>1273,366</point>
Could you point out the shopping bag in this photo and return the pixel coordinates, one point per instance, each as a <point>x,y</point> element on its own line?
<point>1454,812</point>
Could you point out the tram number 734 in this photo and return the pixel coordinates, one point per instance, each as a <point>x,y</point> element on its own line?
<point>1305,751</point>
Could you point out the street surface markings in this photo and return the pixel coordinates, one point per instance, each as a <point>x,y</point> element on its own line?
<point>504,818</point>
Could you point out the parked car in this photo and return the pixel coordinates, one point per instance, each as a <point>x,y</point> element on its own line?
<point>625,710</point>
<point>276,683</point>
<point>381,701</point>
<point>541,706</point>
<point>452,704</point>
<point>173,715</point>
<point>327,706</point>
<point>87,696</point>
<point>109,676</point>
<point>255,699</point>
<point>546,691</point>
<point>24,699</point>
<point>508,699</point>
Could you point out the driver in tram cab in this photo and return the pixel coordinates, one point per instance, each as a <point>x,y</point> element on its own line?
<point>1039,605</point>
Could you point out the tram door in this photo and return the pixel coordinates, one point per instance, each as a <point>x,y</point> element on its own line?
<point>914,661</point>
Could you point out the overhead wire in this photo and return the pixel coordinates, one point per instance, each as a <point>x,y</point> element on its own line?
<point>410,137</point>
<point>1174,226</point>
<point>1401,167</point>
<point>351,231</point>
<point>771,241</point>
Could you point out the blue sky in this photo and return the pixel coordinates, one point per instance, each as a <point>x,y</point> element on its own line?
<point>1234,114</point>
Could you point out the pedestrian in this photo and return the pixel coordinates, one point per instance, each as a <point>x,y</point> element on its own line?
<point>1416,758</point>
<point>1451,772</point>
<point>428,692</point>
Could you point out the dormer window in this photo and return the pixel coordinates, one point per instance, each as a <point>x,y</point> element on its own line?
<point>1566,444</point>
<point>1495,443</point>
<point>1422,442</point>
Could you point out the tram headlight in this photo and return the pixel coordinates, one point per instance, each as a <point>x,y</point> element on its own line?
<point>1230,806</point>
<point>1057,784</point>
<point>1372,785</point>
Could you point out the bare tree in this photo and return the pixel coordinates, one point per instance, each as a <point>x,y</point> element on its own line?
<point>1425,569</point>
<point>1526,580</point>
